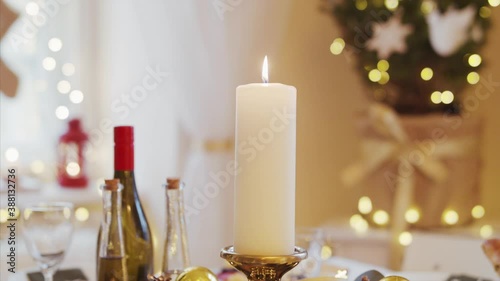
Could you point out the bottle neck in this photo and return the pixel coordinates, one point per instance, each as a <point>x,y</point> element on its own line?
<point>124,156</point>
<point>112,243</point>
<point>127,178</point>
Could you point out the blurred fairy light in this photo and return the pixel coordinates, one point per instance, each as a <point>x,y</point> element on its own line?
<point>450,217</point>
<point>358,223</point>
<point>405,238</point>
<point>4,215</point>
<point>361,227</point>
<point>337,46</point>
<point>485,12</point>
<point>478,212</point>
<point>82,214</point>
<point>447,97</point>
<point>62,112</point>
<point>475,60</point>
<point>55,44</point>
<point>473,78</point>
<point>374,75</point>
<point>391,4</point>
<point>383,65</point>
<point>426,74</point>
<point>361,4</point>
<point>494,3</point>
<point>32,8</point>
<point>68,69</point>
<point>27,213</point>
<point>355,219</point>
<point>384,78</point>
<point>63,86</point>
<point>326,252</point>
<point>436,97</point>
<point>73,169</point>
<point>427,6</point>
<point>67,212</point>
<point>381,217</point>
<point>11,154</point>
<point>37,167</point>
<point>486,231</point>
<point>76,96</point>
<point>365,205</point>
<point>49,63</point>
<point>412,215</point>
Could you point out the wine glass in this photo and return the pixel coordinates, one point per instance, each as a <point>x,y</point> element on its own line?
<point>47,229</point>
<point>311,239</point>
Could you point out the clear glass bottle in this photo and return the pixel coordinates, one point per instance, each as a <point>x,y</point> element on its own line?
<point>175,254</point>
<point>111,262</point>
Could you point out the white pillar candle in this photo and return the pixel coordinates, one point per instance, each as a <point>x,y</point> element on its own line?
<point>265,173</point>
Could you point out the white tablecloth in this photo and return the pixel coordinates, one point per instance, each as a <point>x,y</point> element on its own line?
<point>81,254</point>
<point>357,268</point>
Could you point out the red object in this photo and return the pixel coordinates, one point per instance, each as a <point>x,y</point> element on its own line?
<point>71,168</point>
<point>124,148</point>
<point>492,250</point>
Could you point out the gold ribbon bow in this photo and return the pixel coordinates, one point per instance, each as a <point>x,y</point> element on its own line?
<point>411,157</point>
<point>397,146</point>
<point>213,145</point>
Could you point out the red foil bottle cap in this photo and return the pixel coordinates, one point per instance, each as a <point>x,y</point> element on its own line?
<point>124,134</point>
<point>124,148</point>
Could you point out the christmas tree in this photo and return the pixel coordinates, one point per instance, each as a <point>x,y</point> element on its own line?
<point>417,56</point>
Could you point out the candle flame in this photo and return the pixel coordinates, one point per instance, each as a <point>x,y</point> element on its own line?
<point>265,71</point>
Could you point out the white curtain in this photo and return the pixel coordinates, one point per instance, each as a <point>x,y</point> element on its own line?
<point>208,48</point>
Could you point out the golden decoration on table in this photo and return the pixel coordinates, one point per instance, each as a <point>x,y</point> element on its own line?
<point>197,273</point>
<point>394,278</point>
<point>374,275</point>
<point>194,273</point>
<point>341,274</point>
<point>260,267</point>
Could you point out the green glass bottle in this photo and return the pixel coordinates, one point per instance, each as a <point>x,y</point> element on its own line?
<point>136,231</point>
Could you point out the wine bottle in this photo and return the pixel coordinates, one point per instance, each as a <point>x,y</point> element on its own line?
<point>136,231</point>
<point>111,260</point>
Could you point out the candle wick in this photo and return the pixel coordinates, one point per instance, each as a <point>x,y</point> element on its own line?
<point>265,71</point>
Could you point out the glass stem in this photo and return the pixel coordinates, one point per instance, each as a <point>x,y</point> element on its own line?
<point>48,275</point>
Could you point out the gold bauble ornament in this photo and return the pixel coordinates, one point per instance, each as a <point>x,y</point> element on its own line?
<point>394,278</point>
<point>197,273</point>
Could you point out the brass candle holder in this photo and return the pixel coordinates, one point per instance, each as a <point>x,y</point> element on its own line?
<point>263,268</point>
